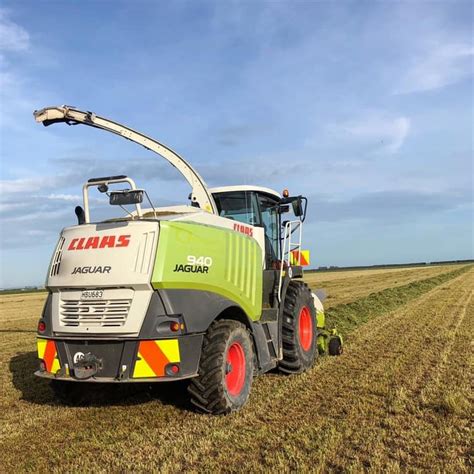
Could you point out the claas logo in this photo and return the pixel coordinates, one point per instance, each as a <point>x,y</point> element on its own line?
<point>96,242</point>
<point>244,229</point>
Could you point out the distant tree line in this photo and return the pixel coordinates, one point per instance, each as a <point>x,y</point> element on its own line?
<point>334,268</point>
<point>26,289</point>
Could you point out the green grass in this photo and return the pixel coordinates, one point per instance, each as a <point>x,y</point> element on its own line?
<point>347,317</point>
<point>398,400</point>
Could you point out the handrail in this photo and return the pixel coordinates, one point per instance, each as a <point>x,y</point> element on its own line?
<point>287,248</point>
<point>107,181</point>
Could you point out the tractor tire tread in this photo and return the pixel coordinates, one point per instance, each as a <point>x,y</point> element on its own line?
<point>207,391</point>
<point>292,361</point>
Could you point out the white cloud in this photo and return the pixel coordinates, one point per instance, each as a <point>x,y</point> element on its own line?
<point>438,67</point>
<point>34,218</point>
<point>12,36</point>
<point>29,184</point>
<point>385,134</point>
<point>16,89</point>
<point>75,198</point>
<point>64,197</point>
<point>37,233</point>
<point>11,206</point>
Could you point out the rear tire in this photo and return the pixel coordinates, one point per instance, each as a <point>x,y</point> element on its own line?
<point>298,329</point>
<point>225,369</point>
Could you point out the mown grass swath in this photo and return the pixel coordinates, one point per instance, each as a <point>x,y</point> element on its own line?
<point>347,317</point>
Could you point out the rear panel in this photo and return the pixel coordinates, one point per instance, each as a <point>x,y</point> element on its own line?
<point>100,278</point>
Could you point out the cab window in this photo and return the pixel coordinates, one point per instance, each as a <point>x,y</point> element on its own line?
<point>239,206</point>
<point>270,222</point>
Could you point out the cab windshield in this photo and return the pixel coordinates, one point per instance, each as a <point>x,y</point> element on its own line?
<point>238,206</point>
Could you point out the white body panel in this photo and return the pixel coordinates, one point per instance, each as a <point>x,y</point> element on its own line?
<point>115,258</point>
<point>317,304</point>
<point>258,189</point>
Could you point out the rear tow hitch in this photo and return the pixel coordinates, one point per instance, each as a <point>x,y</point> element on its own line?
<point>87,366</point>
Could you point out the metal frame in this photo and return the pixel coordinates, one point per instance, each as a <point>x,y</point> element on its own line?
<point>85,194</point>
<point>288,246</point>
<point>200,194</point>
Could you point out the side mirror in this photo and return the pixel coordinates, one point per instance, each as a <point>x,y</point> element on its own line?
<point>129,196</point>
<point>298,206</point>
<point>81,215</point>
<point>298,203</point>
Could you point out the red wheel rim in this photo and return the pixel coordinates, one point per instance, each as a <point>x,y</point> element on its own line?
<point>235,369</point>
<point>305,328</point>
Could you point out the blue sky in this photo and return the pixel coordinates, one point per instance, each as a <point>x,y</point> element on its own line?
<point>366,108</point>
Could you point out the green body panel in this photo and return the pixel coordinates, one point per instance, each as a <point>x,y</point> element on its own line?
<point>322,342</point>
<point>324,336</point>
<point>235,271</point>
<point>320,320</point>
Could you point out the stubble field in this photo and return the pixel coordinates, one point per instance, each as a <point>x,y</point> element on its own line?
<point>399,398</point>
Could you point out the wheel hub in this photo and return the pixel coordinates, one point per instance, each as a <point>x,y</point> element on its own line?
<point>235,369</point>
<point>305,328</point>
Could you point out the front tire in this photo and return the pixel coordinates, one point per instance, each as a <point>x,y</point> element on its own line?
<point>298,329</point>
<point>225,369</point>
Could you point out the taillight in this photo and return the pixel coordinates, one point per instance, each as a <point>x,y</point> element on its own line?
<point>41,326</point>
<point>174,326</point>
<point>172,369</point>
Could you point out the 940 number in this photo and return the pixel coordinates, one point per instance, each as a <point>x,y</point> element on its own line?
<point>193,260</point>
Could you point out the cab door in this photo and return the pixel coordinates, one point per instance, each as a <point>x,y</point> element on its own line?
<point>259,210</point>
<point>270,221</point>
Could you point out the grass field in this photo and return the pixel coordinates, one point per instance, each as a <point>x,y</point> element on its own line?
<point>399,398</point>
<point>347,286</point>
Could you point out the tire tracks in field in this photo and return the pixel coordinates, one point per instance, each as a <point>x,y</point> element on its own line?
<point>439,413</point>
<point>285,433</point>
<point>448,347</point>
<point>329,390</point>
<point>349,288</point>
<point>400,387</point>
<point>333,417</point>
<point>350,386</point>
<point>348,317</point>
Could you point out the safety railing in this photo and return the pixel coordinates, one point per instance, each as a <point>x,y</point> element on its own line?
<point>291,242</point>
